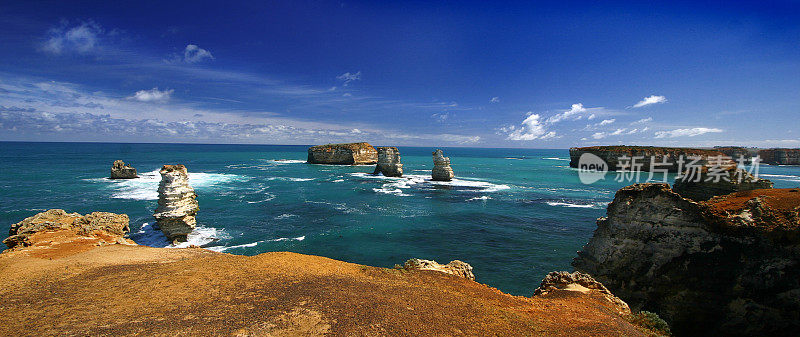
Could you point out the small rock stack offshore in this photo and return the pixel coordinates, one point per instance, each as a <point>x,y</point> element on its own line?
<point>177,203</point>
<point>389,162</point>
<point>441,167</point>
<point>119,170</point>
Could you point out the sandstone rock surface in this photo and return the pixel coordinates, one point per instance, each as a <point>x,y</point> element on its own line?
<point>177,203</point>
<point>780,156</point>
<point>441,167</point>
<point>580,282</point>
<point>710,182</point>
<point>668,155</point>
<point>389,162</point>
<point>455,267</point>
<point>727,266</point>
<point>120,170</point>
<point>40,229</point>
<point>343,154</point>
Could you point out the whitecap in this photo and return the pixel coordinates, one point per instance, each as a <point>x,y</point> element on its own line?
<point>269,196</point>
<point>146,186</point>
<point>482,198</point>
<point>200,236</point>
<point>299,238</point>
<point>576,205</point>
<point>286,216</point>
<point>556,158</point>
<point>285,161</point>
<point>224,248</point>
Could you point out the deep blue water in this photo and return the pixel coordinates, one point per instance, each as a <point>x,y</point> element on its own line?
<point>513,214</point>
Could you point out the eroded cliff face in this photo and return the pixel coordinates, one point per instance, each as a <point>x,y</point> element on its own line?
<point>441,167</point>
<point>710,182</point>
<point>343,154</point>
<point>57,229</point>
<point>780,156</point>
<point>727,266</point>
<point>669,155</point>
<point>455,267</point>
<point>389,162</point>
<point>177,203</point>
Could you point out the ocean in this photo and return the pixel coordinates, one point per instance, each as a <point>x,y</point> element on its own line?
<point>513,214</point>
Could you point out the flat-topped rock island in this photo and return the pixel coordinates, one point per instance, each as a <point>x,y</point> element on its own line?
<point>343,154</point>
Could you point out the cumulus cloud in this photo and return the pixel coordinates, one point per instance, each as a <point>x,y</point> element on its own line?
<point>653,99</point>
<point>82,38</point>
<point>573,113</point>
<point>643,121</point>
<point>495,99</point>
<point>691,132</point>
<point>195,54</point>
<point>530,129</point>
<point>606,122</point>
<point>152,95</point>
<point>348,77</point>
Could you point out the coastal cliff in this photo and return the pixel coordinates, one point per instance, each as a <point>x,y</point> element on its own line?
<point>726,266</point>
<point>79,276</point>
<point>668,155</point>
<point>177,203</point>
<point>343,154</point>
<point>710,182</point>
<point>780,156</point>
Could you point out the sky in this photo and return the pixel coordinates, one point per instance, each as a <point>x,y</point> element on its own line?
<point>409,73</point>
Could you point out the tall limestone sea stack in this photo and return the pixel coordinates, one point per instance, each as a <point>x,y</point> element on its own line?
<point>177,203</point>
<point>389,162</point>
<point>441,167</point>
<point>120,170</point>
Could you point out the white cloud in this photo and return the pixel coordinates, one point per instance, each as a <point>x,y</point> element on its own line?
<point>573,113</point>
<point>599,135</point>
<point>495,99</point>
<point>194,54</point>
<point>606,122</point>
<point>441,117</point>
<point>686,132</point>
<point>591,117</point>
<point>152,95</point>
<point>653,99</point>
<point>643,120</point>
<point>532,128</point>
<point>348,77</point>
<point>82,38</point>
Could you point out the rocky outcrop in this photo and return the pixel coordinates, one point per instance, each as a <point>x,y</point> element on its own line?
<point>42,228</point>
<point>343,154</point>
<point>713,181</point>
<point>780,156</point>
<point>580,282</point>
<point>441,167</point>
<point>455,267</point>
<point>120,170</point>
<point>389,162</point>
<point>736,152</point>
<point>177,203</point>
<point>727,266</point>
<point>670,156</point>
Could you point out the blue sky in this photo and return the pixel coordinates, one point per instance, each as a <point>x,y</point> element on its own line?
<point>460,73</point>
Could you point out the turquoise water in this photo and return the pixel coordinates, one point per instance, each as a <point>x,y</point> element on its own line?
<point>513,214</point>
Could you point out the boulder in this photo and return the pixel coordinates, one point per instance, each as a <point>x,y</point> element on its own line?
<point>177,203</point>
<point>441,167</point>
<point>389,162</point>
<point>713,181</point>
<point>103,227</point>
<point>120,170</point>
<point>729,266</point>
<point>455,267</point>
<point>580,282</point>
<point>343,154</point>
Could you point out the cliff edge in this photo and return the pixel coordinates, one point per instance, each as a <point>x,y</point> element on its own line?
<point>72,284</point>
<point>729,266</point>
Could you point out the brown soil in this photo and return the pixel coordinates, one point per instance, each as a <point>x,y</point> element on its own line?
<point>78,288</point>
